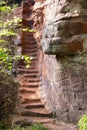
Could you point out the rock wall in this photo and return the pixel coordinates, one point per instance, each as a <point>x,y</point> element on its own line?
<point>61,26</point>
<point>65,87</point>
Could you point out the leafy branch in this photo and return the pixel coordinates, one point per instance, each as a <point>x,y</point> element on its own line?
<point>8,32</point>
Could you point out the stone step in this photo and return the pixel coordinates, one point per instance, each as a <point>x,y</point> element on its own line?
<point>30,38</point>
<point>33,80</point>
<point>30,84</point>
<point>34,60</point>
<point>34,105</point>
<point>27,70</point>
<point>39,112</point>
<point>20,79</point>
<point>30,74</point>
<point>25,101</point>
<point>24,67</point>
<point>27,90</point>
<point>30,53</point>
<point>28,34</point>
<point>34,63</point>
<point>29,41</point>
<point>27,121</point>
<point>34,75</point>
<point>30,46</point>
<point>29,96</point>
<point>21,71</point>
<point>30,50</point>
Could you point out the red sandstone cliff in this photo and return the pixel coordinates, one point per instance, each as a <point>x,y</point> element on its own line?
<point>61,27</point>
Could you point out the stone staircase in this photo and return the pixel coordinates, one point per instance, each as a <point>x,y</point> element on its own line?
<point>30,107</point>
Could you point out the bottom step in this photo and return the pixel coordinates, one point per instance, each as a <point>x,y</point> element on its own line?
<point>27,121</point>
<point>39,112</point>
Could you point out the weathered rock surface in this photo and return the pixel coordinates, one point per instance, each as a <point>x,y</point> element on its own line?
<point>63,34</point>
<point>65,26</point>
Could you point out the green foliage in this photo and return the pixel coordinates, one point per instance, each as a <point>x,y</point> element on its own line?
<point>3,6</point>
<point>27,60</point>
<point>6,60</point>
<point>4,125</point>
<point>82,124</point>
<point>9,29</point>
<point>37,126</point>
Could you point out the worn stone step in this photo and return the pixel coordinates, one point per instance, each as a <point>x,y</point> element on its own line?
<point>24,101</point>
<point>39,112</point>
<point>30,84</point>
<point>28,78</point>
<point>30,53</point>
<point>20,79</point>
<point>27,70</point>
<point>30,74</point>
<point>28,34</point>
<point>27,90</point>
<point>30,46</point>
<point>29,40</point>
<point>30,50</point>
<point>34,60</point>
<point>33,80</point>
<point>29,96</point>
<point>27,121</point>
<point>34,105</point>
<point>24,67</point>
<point>33,55</point>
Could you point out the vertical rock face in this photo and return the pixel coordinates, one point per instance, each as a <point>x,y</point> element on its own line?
<point>63,35</point>
<point>65,27</point>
